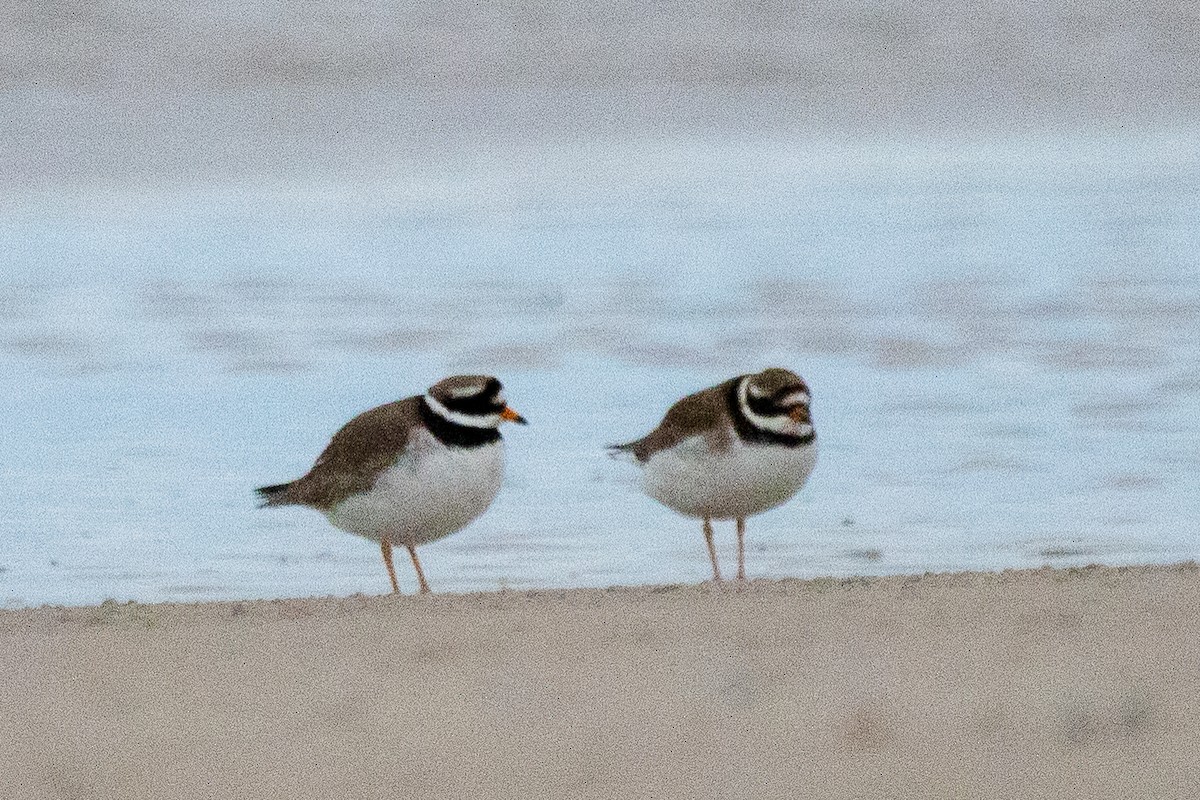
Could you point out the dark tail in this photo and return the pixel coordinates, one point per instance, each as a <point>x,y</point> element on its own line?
<point>276,495</point>
<point>623,452</point>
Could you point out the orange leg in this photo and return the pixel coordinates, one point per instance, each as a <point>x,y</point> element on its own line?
<point>386,546</point>
<point>741,528</point>
<point>412,552</point>
<point>712,551</point>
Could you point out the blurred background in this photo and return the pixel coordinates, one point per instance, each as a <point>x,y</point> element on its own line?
<point>226,229</point>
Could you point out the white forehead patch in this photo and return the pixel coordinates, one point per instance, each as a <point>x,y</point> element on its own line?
<point>467,391</point>
<point>796,399</point>
<point>755,390</point>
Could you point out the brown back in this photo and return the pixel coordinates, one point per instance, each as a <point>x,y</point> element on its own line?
<point>354,457</point>
<point>704,413</point>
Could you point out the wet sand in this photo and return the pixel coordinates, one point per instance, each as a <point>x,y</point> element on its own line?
<point>1046,683</point>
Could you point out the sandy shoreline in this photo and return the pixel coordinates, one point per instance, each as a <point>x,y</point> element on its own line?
<point>1034,683</point>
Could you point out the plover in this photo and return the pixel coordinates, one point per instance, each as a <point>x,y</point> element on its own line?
<point>412,471</point>
<point>730,451</point>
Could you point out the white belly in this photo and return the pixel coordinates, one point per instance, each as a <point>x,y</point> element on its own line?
<point>430,492</point>
<point>739,482</point>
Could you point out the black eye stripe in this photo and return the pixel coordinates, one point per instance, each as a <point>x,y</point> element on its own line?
<point>773,405</point>
<point>476,404</point>
<point>763,406</point>
<point>740,402</point>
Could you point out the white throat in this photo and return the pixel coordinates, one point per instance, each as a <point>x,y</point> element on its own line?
<point>458,418</point>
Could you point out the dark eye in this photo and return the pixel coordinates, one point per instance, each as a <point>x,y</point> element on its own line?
<point>481,402</point>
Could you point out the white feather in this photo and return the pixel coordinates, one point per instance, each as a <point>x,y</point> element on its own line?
<point>796,399</point>
<point>458,418</point>
<point>466,391</point>
<point>740,481</point>
<point>430,492</point>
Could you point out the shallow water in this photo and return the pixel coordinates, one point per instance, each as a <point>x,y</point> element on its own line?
<point>1000,336</point>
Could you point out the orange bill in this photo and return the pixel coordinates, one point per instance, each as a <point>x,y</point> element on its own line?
<point>512,416</point>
